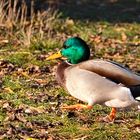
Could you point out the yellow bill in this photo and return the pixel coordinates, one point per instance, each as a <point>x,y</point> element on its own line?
<point>54,56</point>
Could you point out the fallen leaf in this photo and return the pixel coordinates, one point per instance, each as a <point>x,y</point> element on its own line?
<point>6,105</point>
<point>50,138</point>
<point>20,117</point>
<point>10,117</point>
<point>123,36</point>
<point>40,81</point>
<point>4,41</point>
<point>34,110</point>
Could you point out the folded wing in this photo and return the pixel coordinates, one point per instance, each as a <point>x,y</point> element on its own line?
<point>112,71</point>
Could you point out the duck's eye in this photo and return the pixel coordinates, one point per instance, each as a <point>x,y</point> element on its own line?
<point>65,47</point>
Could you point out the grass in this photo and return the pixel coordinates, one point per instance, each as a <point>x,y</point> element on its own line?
<point>30,97</point>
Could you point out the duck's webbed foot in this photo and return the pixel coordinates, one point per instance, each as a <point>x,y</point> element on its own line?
<point>76,107</point>
<point>111,117</point>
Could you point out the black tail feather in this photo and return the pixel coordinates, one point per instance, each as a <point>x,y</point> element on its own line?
<point>135,90</point>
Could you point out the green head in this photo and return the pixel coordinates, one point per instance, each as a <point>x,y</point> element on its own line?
<point>75,50</point>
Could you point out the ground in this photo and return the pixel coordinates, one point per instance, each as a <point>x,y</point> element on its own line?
<point>30,97</point>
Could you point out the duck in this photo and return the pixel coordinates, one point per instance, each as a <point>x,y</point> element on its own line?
<point>95,81</point>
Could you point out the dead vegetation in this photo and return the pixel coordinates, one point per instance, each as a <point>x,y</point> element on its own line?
<point>20,27</point>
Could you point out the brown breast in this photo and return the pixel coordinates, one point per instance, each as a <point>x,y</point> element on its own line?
<point>60,73</point>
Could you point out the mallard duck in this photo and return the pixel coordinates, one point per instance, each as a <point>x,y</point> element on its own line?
<point>95,81</point>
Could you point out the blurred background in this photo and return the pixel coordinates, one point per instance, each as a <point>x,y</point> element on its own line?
<point>95,10</point>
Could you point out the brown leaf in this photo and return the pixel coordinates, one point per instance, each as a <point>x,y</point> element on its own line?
<point>33,110</point>
<point>1,73</point>
<point>6,105</point>
<point>4,41</point>
<point>50,138</point>
<point>29,125</point>
<point>2,137</point>
<point>40,81</point>
<point>138,129</point>
<point>96,38</point>
<point>123,36</point>
<point>10,131</point>
<point>10,117</point>
<point>20,117</point>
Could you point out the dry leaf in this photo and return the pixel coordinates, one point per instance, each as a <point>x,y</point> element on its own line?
<point>123,36</point>
<point>34,110</point>
<point>10,117</point>
<point>96,38</point>
<point>6,105</point>
<point>40,81</point>
<point>4,41</point>
<point>50,138</point>
<point>20,117</point>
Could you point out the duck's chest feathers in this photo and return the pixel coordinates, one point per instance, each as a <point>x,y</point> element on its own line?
<point>60,73</point>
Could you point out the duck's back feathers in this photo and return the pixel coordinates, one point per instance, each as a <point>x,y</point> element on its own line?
<point>112,71</point>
